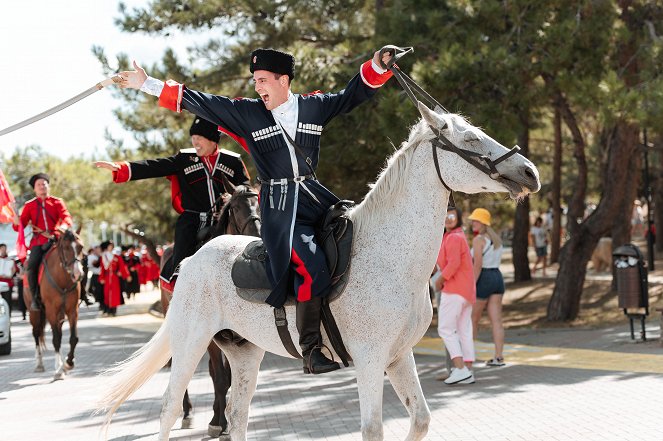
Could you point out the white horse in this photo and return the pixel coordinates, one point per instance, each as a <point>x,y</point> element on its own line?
<point>383,313</point>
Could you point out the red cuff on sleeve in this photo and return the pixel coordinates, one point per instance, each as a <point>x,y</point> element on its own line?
<point>371,78</point>
<point>171,96</point>
<point>123,174</point>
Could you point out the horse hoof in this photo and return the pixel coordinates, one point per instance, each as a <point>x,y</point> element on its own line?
<point>187,423</point>
<point>214,431</point>
<point>67,366</point>
<point>39,369</point>
<point>59,376</point>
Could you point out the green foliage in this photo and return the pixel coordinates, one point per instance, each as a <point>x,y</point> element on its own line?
<point>484,59</point>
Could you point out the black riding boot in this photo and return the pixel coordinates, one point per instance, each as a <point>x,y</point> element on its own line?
<point>310,339</point>
<point>32,268</point>
<point>35,305</point>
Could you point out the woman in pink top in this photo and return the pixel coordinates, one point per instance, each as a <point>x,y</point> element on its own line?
<point>458,295</point>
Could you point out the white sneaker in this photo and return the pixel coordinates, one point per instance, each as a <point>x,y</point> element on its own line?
<point>470,380</point>
<point>458,375</point>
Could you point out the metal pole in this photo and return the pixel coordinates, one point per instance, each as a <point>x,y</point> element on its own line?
<point>650,239</point>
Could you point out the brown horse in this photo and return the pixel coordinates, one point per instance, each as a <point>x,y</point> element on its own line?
<point>240,215</point>
<point>60,292</point>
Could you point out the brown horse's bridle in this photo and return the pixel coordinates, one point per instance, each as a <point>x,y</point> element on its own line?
<point>68,266</point>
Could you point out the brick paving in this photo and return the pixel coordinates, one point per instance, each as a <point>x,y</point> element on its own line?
<point>545,392</point>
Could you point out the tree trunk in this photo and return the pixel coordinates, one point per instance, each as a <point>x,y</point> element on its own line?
<point>620,181</point>
<point>521,222</point>
<point>621,227</point>
<point>565,301</point>
<point>574,255</point>
<point>657,189</point>
<point>556,188</point>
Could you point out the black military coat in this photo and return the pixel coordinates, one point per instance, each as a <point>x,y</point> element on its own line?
<point>250,120</point>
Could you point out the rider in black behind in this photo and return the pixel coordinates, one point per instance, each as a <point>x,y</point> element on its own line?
<point>196,177</point>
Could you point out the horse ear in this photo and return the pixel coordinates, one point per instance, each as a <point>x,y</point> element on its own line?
<point>78,229</point>
<point>229,186</point>
<point>430,117</point>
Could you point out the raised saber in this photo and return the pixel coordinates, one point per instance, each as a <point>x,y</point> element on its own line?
<point>107,82</point>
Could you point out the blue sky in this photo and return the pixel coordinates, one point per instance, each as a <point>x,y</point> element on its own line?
<point>46,58</point>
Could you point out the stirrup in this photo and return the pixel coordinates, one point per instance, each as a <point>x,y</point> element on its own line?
<point>308,369</point>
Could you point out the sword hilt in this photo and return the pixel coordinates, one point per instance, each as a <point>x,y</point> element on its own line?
<point>115,79</point>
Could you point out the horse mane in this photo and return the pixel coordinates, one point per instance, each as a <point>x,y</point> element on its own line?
<point>391,179</point>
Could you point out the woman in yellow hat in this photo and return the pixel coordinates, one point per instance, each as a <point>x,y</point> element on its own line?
<point>487,255</point>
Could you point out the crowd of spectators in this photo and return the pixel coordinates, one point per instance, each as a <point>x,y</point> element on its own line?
<point>105,281</point>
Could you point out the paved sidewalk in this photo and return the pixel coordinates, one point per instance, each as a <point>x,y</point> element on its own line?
<point>566,384</point>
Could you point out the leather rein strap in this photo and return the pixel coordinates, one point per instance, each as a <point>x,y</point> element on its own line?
<point>440,142</point>
<point>282,328</point>
<point>63,291</point>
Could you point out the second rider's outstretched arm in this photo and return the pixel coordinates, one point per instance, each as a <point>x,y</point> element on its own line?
<point>220,110</point>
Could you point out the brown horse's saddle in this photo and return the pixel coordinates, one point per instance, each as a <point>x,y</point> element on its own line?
<point>335,238</point>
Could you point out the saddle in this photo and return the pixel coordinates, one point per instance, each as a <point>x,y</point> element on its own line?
<point>335,237</point>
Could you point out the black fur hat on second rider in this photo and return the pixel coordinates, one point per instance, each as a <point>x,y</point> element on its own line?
<point>34,178</point>
<point>205,129</point>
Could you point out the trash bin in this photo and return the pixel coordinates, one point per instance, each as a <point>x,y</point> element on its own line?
<point>632,284</point>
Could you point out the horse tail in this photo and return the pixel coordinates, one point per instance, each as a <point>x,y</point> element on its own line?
<point>123,379</point>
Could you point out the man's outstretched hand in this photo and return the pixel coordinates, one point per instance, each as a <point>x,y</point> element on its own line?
<point>133,79</point>
<point>385,58</point>
<point>107,165</point>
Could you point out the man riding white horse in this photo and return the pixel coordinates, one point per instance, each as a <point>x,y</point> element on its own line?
<point>282,130</point>
<point>196,176</point>
<point>48,215</point>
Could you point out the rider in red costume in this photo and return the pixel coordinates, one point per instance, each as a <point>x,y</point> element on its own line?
<point>48,215</point>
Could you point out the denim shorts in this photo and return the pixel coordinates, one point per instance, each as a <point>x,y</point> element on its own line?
<point>490,282</point>
<point>541,251</point>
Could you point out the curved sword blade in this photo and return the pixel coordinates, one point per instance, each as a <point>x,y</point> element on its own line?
<point>61,106</point>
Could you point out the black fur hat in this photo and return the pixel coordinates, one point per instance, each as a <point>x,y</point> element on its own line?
<point>105,244</point>
<point>273,61</point>
<point>33,179</point>
<point>205,129</point>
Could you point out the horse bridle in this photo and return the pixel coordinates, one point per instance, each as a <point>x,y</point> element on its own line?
<point>68,266</point>
<point>440,142</point>
<point>253,218</point>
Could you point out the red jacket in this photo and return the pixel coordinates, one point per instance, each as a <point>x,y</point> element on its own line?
<point>109,276</point>
<point>47,215</point>
<point>455,262</point>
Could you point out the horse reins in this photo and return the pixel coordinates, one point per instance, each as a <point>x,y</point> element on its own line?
<point>65,265</point>
<point>440,142</point>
